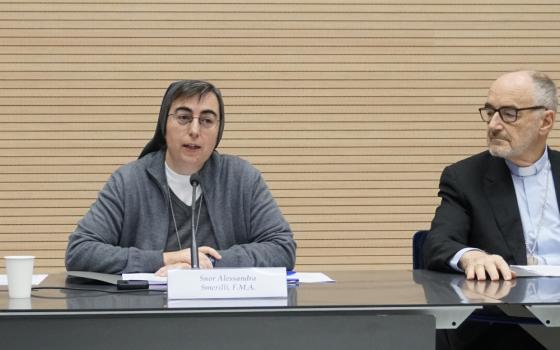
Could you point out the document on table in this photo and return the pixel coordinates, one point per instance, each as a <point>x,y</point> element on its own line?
<point>311,277</point>
<point>35,280</point>
<point>536,270</point>
<point>96,276</point>
<point>300,277</point>
<point>150,277</point>
<point>249,302</point>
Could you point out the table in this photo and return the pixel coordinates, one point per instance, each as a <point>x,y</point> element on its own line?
<point>342,315</point>
<point>362,310</point>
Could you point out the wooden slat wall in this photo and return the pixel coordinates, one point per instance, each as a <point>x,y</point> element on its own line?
<point>350,109</point>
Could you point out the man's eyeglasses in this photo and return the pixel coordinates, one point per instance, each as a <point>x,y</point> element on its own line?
<point>205,121</point>
<point>508,114</point>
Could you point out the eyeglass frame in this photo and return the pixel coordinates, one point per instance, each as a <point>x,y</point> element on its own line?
<point>176,115</point>
<point>499,110</point>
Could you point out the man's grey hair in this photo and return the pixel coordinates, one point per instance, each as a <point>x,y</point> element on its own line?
<point>545,90</point>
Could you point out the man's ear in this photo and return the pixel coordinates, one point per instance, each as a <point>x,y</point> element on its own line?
<point>548,120</point>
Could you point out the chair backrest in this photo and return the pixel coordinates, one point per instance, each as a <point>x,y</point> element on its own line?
<point>417,247</point>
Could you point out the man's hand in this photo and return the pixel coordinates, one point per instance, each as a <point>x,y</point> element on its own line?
<point>181,259</point>
<point>477,264</point>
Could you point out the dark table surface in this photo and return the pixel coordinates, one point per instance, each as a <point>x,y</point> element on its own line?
<point>352,289</point>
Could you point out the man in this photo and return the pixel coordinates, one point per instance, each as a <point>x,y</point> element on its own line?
<point>500,207</point>
<point>141,220</point>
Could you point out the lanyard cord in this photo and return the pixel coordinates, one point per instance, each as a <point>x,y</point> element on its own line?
<point>175,221</point>
<point>531,250</point>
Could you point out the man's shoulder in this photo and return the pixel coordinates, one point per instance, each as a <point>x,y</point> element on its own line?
<point>473,163</point>
<point>553,154</point>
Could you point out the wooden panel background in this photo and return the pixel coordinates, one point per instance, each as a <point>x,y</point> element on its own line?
<point>350,109</point>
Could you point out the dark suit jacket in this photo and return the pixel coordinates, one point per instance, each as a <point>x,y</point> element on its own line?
<point>479,209</point>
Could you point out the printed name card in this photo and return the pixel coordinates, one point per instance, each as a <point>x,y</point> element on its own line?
<point>225,283</point>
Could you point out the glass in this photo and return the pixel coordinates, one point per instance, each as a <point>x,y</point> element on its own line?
<point>206,121</point>
<point>508,114</point>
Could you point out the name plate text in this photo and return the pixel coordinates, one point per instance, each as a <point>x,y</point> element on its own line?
<point>224,283</point>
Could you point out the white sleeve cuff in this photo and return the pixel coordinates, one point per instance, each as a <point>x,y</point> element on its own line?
<point>454,262</point>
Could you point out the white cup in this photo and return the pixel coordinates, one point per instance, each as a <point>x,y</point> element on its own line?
<point>20,274</point>
<point>19,303</point>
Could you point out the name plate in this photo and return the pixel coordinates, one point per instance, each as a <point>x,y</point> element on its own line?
<point>225,283</point>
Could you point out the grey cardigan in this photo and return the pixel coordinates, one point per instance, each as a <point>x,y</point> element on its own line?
<point>126,228</point>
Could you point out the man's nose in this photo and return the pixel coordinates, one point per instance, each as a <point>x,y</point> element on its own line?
<point>496,121</point>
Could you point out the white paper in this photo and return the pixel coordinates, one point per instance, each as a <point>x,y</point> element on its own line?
<point>96,276</point>
<point>251,302</point>
<point>35,280</point>
<point>302,277</point>
<point>311,277</point>
<point>150,277</point>
<point>536,270</point>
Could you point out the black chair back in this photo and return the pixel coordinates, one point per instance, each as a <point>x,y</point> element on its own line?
<point>417,247</point>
